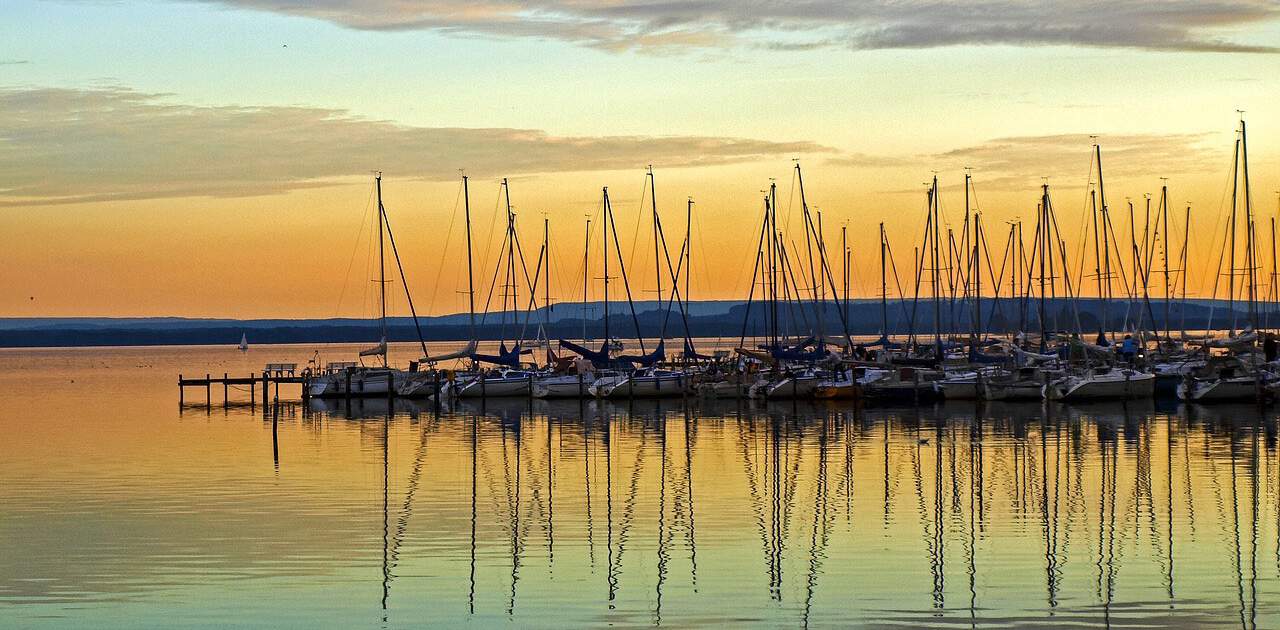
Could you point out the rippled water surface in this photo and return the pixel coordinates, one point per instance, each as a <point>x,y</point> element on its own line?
<point>119,508</point>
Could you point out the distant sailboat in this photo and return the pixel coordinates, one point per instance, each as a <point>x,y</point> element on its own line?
<point>244,343</point>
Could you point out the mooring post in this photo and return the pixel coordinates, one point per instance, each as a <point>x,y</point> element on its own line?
<point>224,389</point>
<point>206,389</point>
<point>265,394</point>
<point>275,430</point>
<point>253,393</point>
<point>181,391</point>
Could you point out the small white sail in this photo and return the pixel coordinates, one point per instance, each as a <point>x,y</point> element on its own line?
<point>244,342</point>
<point>380,349</point>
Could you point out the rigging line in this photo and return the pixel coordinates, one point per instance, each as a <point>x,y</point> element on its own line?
<point>1218,220</point>
<point>448,237</point>
<point>623,270</point>
<point>737,282</point>
<point>355,247</point>
<point>635,234</point>
<point>493,225</point>
<point>405,282</point>
<point>1084,225</point>
<point>493,283</point>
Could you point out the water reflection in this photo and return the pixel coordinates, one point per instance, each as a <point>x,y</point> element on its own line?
<point>675,512</point>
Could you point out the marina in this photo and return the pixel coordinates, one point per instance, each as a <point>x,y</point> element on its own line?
<point>795,342</point>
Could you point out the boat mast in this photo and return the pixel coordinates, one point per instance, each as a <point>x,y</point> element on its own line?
<point>605,251</point>
<point>657,258</point>
<point>1042,232</point>
<point>772,219</point>
<point>546,289</point>
<point>688,250</point>
<point>844,272</point>
<point>936,273</point>
<point>382,266</point>
<point>1164,213</point>
<point>884,290</point>
<point>1231,268</point>
<point>1106,237</point>
<point>513,289</point>
<point>1248,213</point>
<point>471,290</point>
<point>586,248</point>
<point>977,263</point>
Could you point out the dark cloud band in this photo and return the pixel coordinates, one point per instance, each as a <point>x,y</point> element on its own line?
<point>1168,25</point>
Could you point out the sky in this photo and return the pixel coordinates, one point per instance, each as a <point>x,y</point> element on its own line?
<point>216,158</point>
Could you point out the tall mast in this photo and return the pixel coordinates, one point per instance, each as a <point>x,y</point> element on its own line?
<point>844,272</point>
<point>1106,236</point>
<point>471,290</point>
<point>586,248</point>
<point>1164,213</point>
<point>657,258</point>
<point>604,243</point>
<point>977,277</point>
<point>546,289</point>
<point>771,210</point>
<point>884,289</point>
<point>382,266</point>
<point>937,270</point>
<point>688,250</point>
<point>1043,232</point>
<point>1186,236</point>
<point>1248,213</point>
<point>1231,269</point>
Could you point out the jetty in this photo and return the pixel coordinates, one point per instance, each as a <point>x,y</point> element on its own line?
<point>272,374</point>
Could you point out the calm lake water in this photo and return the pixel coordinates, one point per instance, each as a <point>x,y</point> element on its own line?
<point>121,509</point>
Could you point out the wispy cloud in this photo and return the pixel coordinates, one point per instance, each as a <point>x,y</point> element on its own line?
<point>1021,163</point>
<point>657,25</point>
<point>65,145</point>
<point>13,62</point>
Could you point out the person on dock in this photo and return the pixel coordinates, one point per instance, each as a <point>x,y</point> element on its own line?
<point>1128,348</point>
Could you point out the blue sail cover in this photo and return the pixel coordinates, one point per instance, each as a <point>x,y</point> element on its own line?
<point>796,352</point>
<point>599,358</point>
<point>646,360</point>
<point>509,358</point>
<point>884,342</point>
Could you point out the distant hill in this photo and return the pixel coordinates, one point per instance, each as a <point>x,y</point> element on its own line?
<point>723,318</point>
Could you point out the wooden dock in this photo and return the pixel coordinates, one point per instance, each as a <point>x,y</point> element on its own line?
<point>275,373</point>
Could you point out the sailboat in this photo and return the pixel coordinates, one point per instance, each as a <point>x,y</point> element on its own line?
<point>244,343</point>
<point>345,379</point>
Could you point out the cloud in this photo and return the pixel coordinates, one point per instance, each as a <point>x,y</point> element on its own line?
<point>13,62</point>
<point>1021,162</point>
<point>65,145</point>
<point>657,25</point>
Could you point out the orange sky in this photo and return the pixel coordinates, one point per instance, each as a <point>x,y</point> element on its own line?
<point>129,187</point>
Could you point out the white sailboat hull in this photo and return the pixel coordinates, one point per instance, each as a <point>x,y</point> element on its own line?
<point>646,387</point>
<point>572,386</point>
<point>359,383</point>
<point>793,387</point>
<point>1241,388</point>
<point>495,387</point>
<point>1118,385</point>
